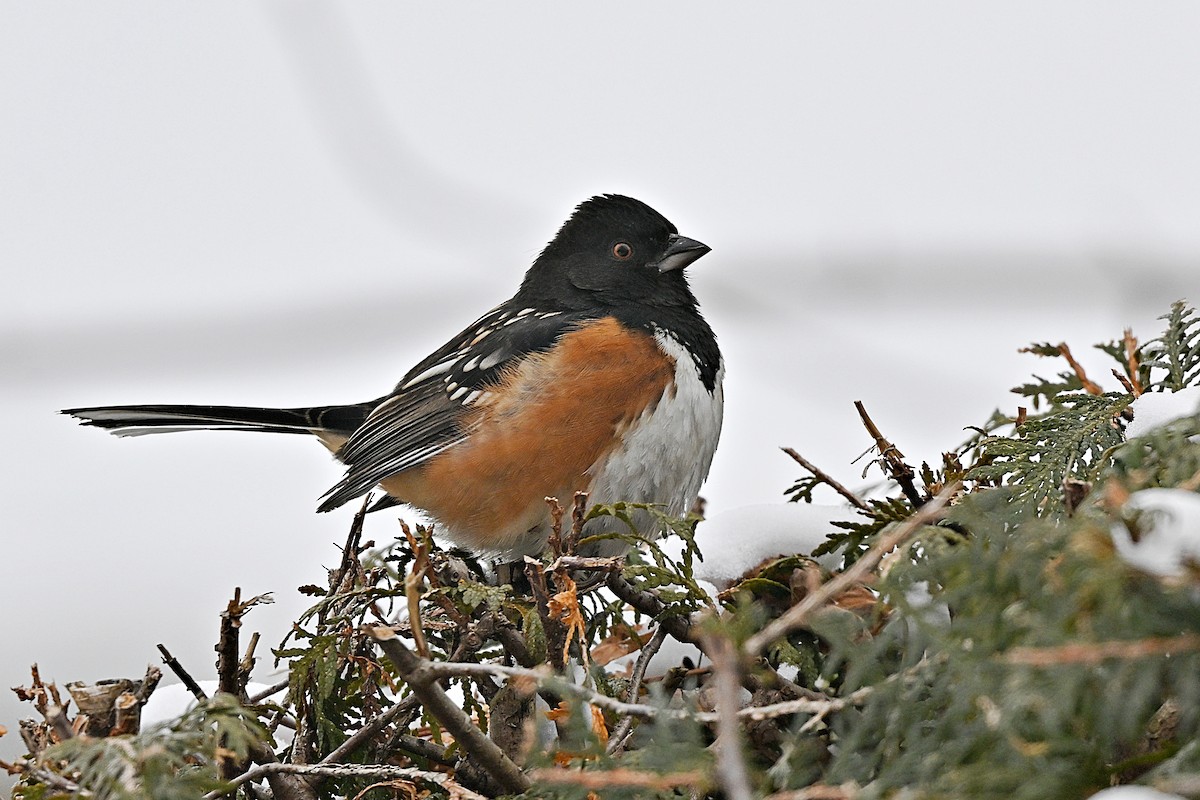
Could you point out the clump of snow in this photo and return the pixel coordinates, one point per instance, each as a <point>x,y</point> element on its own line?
<point>170,702</point>
<point>1169,531</point>
<point>737,540</point>
<point>669,656</point>
<point>1155,409</point>
<point>1133,793</point>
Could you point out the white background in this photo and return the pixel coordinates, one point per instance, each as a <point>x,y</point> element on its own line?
<point>292,203</point>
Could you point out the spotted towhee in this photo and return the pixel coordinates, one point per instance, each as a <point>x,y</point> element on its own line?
<point>598,375</point>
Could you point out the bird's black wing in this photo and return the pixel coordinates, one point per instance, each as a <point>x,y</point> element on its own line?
<point>424,414</point>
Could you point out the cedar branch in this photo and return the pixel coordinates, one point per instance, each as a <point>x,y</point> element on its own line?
<point>798,615</point>
<point>827,479</point>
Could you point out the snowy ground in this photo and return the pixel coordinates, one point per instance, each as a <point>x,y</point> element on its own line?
<point>272,204</point>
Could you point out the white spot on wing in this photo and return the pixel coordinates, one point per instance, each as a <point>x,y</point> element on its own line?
<point>492,360</point>
<point>436,369</point>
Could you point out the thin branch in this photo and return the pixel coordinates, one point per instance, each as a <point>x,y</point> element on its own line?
<point>607,779</point>
<point>366,732</point>
<point>892,458</point>
<point>422,748</point>
<point>798,615</point>
<point>182,674</point>
<point>1094,653</point>
<point>616,740</point>
<point>731,763</point>
<point>681,628</point>
<point>273,689</point>
<point>1089,386</point>
<point>445,669</point>
<point>587,563</point>
<point>1132,363</point>
<point>423,682</point>
<point>826,479</point>
<point>847,791</point>
<point>45,776</point>
<point>348,771</point>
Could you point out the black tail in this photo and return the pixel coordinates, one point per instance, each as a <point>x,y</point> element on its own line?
<point>139,420</point>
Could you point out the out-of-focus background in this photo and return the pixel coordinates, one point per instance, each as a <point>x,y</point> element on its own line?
<point>287,203</point>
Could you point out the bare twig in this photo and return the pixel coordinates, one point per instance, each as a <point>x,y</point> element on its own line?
<point>1095,652</point>
<point>1132,363</point>
<point>847,791</point>
<point>616,740</point>
<point>423,682</point>
<point>348,771</point>
<point>273,689</point>
<point>804,705</point>
<point>797,616</point>
<point>366,732</point>
<point>1124,382</point>
<point>731,764</point>
<point>555,539</point>
<point>607,779</point>
<point>892,458</point>
<point>826,479</point>
<point>51,779</point>
<point>588,563</point>
<point>413,580</point>
<point>578,513</point>
<point>227,646</point>
<point>682,629</point>
<point>557,641</point>
<point>182,674</point>
<point>1089,386</point>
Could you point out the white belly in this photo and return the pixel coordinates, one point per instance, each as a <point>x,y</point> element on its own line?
<point>667,451</point>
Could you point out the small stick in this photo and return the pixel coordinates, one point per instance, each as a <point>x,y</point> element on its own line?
<point>346,771</point>
<point>424,683</point>
<point>1089,386</point>
<point>182,674</point>
<point>346,748</point>
<point>588,563</point>
<point>825,478</point>
<point>892,458</point>
<point>1095,652</point>
<point>412,588</point>
<point>847,791</point>
<point>1132,364</point>
<point>228,646</point>
<point>555,539</point>
<point>616,740</point>
<point>621,777</point>
<point>1124,382</point>
<point>578,512</point>
<point>267,692</point>
<point>731,764</point>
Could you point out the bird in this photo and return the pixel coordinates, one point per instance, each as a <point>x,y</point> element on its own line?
<point>600,375</point>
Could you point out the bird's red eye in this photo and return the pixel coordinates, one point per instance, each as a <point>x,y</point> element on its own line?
<point>622,251</point>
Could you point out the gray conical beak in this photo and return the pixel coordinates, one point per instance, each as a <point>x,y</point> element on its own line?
<point>680,252</point>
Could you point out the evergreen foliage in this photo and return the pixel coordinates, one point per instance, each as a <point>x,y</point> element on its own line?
<point>1002,651</point>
